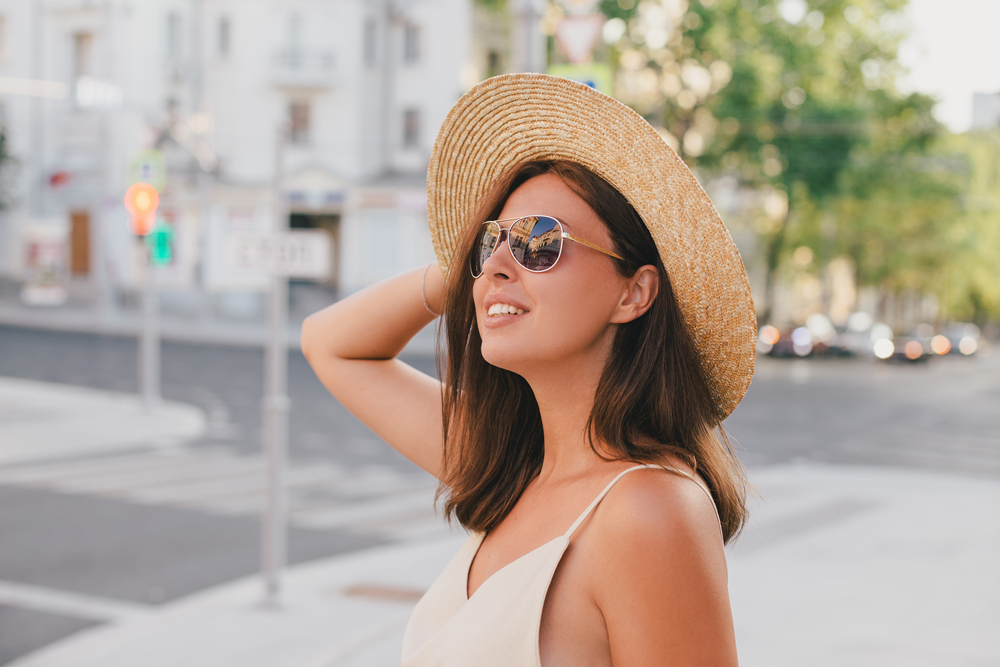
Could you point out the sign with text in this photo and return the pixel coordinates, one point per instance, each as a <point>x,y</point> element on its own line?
<point>299,253</point>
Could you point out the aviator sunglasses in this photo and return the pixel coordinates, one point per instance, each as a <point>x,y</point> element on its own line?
<point>535,241</point>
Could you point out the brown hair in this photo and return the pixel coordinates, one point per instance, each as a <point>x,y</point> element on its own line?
<point>652,399</point>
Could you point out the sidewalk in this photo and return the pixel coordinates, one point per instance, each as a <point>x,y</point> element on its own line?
<point>840,566</point>
<point>42,420</point>
<point>76,317</point>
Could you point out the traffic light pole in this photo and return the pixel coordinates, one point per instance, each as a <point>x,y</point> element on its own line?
<point>149,337</point>
<point>274,536</point>
<point>276,406</point>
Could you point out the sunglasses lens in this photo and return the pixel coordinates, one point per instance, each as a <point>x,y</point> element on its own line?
<point>536,242</point>
<point>487,243</point>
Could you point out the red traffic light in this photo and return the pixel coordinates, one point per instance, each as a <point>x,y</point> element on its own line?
<point>141,201</point>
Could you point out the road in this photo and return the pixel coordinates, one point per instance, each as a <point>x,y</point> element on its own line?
<point>120,528</point>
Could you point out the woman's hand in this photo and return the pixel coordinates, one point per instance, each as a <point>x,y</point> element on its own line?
<point>352,344</point>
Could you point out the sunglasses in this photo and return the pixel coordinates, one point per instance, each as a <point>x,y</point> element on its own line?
<point>535,241</point>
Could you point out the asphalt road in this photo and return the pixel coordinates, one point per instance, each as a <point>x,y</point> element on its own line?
<point>940,416</point>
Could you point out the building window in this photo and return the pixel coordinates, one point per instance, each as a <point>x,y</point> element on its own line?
<point>294,31</point>
<point>298,113</point>
<point>3,37</point>
<point>83,54</point>
<point>411,43</point>
<point>223,36</point>
<point>493,64</point>
<point>370,43</point>
<point>174,36</point>
<point>411,128</point>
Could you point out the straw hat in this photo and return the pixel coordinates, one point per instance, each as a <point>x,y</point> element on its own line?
<point>515,118</point>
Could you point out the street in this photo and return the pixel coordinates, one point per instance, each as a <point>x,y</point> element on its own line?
<point>148,526</point>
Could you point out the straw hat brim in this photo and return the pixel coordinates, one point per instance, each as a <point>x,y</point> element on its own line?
<point>515,118</point>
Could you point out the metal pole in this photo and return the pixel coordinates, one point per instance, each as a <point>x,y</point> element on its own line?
<point>528,52</point>
<point>149,337</point>
<point>37,116</point>
<point>274,536</point>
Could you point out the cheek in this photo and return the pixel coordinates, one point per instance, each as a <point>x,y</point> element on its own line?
<point>582,312</point>
<point>479,289</point>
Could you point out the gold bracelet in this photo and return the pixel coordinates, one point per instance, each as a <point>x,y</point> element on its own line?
<point>423,295</point>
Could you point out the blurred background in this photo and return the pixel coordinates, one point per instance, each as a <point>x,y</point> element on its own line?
<point>851,146</point>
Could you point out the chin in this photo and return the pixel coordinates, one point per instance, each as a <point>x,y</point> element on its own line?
<point>506,355</point>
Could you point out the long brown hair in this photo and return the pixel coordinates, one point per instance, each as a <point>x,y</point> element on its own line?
<point>652,399</point>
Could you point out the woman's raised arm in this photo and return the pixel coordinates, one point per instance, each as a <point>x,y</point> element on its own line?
<point>352,346</point>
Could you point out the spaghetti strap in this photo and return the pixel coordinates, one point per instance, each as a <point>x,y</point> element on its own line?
<point>600,496</point>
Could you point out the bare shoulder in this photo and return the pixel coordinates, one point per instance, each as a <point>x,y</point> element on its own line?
<point>657,571</point>
<point>656,505</point>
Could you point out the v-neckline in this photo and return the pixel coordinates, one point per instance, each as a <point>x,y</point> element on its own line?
<point>566,535</point>
<point>468,568</point>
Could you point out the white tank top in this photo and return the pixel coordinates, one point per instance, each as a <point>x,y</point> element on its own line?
<point>498,626</point>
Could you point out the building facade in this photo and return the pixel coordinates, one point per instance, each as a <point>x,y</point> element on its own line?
<point>215,102</point>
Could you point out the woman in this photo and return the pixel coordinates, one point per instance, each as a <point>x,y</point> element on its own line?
<point>599,327</point>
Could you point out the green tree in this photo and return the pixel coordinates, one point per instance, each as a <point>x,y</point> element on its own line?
<point>789,95</point>
<point>969,285</point>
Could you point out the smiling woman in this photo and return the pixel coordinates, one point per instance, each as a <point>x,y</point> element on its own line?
<point>599,328</point>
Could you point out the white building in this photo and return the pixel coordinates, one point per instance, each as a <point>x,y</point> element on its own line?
<point>86,87</point>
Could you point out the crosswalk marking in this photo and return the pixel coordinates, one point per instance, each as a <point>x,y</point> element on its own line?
<point>321,494</point>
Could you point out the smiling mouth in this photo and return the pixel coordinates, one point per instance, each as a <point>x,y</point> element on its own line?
<point>501,309</point>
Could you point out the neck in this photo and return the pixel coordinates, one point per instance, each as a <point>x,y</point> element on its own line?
<point>565,397</point>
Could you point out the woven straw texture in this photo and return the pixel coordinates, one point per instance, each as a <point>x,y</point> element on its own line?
<point>516,118</point>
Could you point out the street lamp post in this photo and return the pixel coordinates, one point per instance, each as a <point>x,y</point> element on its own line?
<point>274,536</point>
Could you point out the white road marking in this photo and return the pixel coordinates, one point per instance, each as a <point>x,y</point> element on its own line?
<point>369,499</point>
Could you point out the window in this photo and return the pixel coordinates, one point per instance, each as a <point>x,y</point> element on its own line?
<point>223,36</point>
<point>411,128</point>
<point>174,36</point>
<point>298,113</point>
<point>83,54</point>
<point>294,30</point>
<point>411,44</point>
<point>493,64</point>
<point>370,43</point>
<point>3,38</point>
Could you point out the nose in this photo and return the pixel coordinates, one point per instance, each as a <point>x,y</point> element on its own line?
<point>497,265</point>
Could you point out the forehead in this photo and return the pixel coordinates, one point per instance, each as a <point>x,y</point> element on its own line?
<point>549,195</point>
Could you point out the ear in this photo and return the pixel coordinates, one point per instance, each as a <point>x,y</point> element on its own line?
<point>640,292</point>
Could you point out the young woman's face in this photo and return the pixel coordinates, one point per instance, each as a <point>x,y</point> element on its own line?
<point>567,310</point>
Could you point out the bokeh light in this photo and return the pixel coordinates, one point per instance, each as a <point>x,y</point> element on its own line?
<point>883,348</point>
<point>968,345</point>
<point>802,342</point>
<point>940,344</point>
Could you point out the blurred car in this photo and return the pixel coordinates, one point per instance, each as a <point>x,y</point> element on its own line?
<point>962,338</point>
<point>906,349</point>
<point>817,338</point>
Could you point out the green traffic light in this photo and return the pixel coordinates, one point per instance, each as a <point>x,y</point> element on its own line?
<point>160,241</point>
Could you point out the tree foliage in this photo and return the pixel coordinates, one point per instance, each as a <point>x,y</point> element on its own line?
<point>799,97</point>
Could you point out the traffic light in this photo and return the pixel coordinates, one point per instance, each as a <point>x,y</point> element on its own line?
<point>160,241</point>
<point>141,200</point>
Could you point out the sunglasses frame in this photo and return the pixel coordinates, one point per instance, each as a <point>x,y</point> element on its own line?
<point>504,235</point>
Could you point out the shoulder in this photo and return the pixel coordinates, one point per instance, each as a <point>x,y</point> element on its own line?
<point>655,521</point>
<point>657,504</point>
<point>657,571</point>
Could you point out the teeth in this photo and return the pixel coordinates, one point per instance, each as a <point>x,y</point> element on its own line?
<point>503,309</point>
